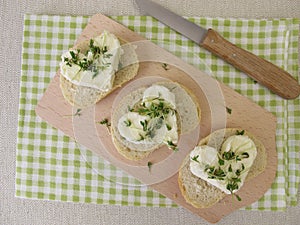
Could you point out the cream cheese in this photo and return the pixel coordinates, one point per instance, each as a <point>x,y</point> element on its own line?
<point>153,121</point>
<point>222,168</point>
<point>97,67</point>
<point>158,91</point>
<point>132,129</point>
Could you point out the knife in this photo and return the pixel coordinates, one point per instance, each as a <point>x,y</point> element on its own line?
<point>264,72</point>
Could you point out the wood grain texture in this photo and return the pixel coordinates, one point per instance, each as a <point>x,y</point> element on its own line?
<point>213,98</point>
<point>264,72</point>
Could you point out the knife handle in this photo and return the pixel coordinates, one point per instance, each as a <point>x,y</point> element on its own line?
<point>262,71</point>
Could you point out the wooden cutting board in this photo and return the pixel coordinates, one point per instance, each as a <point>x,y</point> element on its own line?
<point>214,99</point>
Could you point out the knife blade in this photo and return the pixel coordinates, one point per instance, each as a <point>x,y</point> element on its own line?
<point>264,72</point>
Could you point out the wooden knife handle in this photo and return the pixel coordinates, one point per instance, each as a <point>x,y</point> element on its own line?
<point>264,72</point>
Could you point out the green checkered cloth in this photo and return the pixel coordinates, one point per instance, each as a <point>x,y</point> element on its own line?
<point>50,166</point>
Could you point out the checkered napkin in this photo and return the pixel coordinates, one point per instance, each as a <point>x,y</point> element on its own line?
<point>50,166</point>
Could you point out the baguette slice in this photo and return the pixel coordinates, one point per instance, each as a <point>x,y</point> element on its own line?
<point>188,116</point>
<point>82,96</point>
<point>200,193</point>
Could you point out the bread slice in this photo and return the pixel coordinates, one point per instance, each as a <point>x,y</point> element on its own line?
<point>82,96</point>
<point>188,117</point>
<point>200,193</point>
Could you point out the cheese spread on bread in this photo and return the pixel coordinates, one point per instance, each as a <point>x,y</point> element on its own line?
<point>155,91</point>
<point>228,168</point>
<point>97,66</point>
<point>153,120</point>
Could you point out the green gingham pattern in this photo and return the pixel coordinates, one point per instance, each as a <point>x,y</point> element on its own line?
<point>50,166</point>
